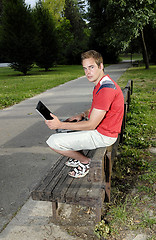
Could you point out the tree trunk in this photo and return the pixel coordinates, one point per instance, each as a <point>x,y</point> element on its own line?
<point>146,59</point>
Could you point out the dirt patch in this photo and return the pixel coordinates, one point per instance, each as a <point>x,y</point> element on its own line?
<point>78,221</point>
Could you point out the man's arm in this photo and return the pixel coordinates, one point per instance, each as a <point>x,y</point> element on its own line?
<point>96,117</point>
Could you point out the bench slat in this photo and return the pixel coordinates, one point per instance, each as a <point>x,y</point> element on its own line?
<point>62,187</point>
<point>57,185</point>
<point>41,190</point>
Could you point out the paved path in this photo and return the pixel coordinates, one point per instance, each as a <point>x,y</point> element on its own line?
<point>4,64</point>
<point>24,155</point>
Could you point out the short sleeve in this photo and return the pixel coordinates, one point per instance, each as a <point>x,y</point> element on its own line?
<point>104,98</point>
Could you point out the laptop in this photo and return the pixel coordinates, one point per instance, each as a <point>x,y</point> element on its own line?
<point>45,113</point>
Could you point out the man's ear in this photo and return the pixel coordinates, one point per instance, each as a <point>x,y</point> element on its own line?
<point>101,66</point>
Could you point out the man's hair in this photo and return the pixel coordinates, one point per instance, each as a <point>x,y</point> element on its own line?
<point>92,54</point>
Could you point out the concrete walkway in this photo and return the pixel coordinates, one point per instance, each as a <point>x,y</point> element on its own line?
<point>25,157</point>
<point>4,64</point>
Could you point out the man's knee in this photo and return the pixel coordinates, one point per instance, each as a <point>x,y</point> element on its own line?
<point>53,142</point>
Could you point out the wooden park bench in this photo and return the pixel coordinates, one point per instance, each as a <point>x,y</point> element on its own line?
<point>90,191</point>
<point>135,64</point>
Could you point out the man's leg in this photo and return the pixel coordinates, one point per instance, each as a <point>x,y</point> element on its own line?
<point>69,144</point>
<point>78,156</point>
<point>73,154</point>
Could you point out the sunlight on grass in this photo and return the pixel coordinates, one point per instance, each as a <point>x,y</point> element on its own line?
<point>134,56</point>
<point>15,87</point>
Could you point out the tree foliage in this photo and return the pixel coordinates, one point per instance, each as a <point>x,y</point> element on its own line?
<point>0,9</point>
<point>55,8</point>
<point>115,23</point>
<point>150,39</point>
<point>129,21</point>
<point>69,16</point>
<point>73,12</point>
<point>100,27</point>
<point>65,40</point>
<point>18,35</point>
<point>46,37</point>
<point>130,17</point>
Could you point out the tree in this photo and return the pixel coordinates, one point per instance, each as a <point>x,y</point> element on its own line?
<point>73,13</point>
<point>55,8</point>
<point>119,22</point>
<point>0,9</point>
<point>65,40</point>
<point>47,39</point>
<point>150,39</point>
<point>69,17</point>
<point>71,27</point>
<point>1,57</point>
<point>100,24</point>
<point>129,21</point>
<point>18,35</point>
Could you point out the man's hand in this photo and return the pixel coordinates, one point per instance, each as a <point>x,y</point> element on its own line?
<point>78,117</point>
<point>96,117</point>
<point>54,123</point>
<point>75,118</point>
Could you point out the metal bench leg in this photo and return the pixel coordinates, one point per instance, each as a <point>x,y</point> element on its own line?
<point>108,170</point>
<point>55,210</point>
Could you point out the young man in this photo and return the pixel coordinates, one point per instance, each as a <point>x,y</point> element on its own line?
<point>104,118</point>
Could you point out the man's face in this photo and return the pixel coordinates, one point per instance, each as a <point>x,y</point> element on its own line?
<point>92,71</point>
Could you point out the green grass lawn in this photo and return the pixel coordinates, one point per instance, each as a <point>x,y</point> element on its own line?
<point>144,93</point>
<point>15,87</point>
<point>134,56</point>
